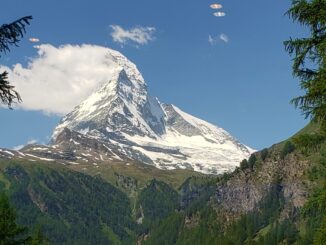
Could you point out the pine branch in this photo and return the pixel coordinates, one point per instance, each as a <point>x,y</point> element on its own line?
<point>8,95</point>
<point>11,34</point>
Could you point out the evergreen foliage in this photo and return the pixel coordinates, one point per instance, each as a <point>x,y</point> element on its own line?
<point>252,160</point>
<point>244,164</point>
<point>157,201</point>
<point>167,231</point>
<point>309,142</point>
<point>314,212</point>
<point>250,163</point>
<point>309,63</point>
<point>72,208</point>
<point>10,232</point>
<point>264,154</point>
<point>195,192</point>
<point>11,34</point>
<point>283,232</point>
<point>287,149</point>
<point>38,238</point>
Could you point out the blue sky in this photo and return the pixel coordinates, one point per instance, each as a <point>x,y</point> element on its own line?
<point>243,83</point>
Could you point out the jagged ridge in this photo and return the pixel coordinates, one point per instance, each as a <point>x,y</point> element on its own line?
<point>122,113</point>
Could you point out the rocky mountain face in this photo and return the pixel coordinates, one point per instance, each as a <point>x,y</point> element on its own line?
<point>121,120</point>
<point>246,188</point>
<point>276,197</point>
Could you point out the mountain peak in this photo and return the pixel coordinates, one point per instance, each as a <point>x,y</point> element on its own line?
<point>125,64</point>
<point>121,112</point>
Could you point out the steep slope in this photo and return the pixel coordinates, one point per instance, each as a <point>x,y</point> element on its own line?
<point>276,197</point>
<point>134,125</point>
<point>69,207</point>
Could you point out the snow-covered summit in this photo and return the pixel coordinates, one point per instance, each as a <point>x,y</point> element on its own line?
<point>121,112</point>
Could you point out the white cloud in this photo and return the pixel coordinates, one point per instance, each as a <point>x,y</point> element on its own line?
<point>224,38</point>
<point>139,35</point>
<point>219,14</point>
<point>59,78</point>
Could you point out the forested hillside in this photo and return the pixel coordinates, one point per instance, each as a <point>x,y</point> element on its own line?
<point>276,197</point>
<point>70,208</point>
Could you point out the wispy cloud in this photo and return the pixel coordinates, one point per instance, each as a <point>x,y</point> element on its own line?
<point>59,78</point>
<point>224,38</point>
<point>213,40</point>
<point>139,35</point>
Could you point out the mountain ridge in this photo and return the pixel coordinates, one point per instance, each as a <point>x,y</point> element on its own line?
<point>122,112</point>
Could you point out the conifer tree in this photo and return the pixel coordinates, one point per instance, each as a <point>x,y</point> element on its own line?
<point>309,63</point>
<point>10,34</point>
<point>10,232</point>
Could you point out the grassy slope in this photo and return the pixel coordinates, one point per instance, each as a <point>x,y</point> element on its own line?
<point>141,172</point>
